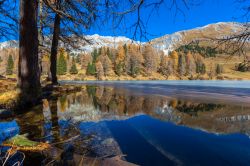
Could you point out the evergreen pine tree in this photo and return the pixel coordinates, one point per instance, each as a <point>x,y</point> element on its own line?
<point>10,65</point>
<point>73,69</point>
<point>91,70</point>
<point>61,65</point>
<point>95,55</point>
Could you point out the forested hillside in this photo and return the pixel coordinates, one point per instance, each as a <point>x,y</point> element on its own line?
<point>133,61</point>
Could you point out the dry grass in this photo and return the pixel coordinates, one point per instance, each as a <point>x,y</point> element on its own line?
<point>228,64</point>
<point>9,99</point>
<point>6,85</point>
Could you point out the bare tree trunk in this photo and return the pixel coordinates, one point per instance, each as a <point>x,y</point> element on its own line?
<point>28,68</point>
<point>54,47</point>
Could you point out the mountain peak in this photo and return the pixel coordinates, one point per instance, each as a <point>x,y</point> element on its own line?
<point>170,42</point>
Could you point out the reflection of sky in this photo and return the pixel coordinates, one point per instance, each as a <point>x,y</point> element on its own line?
<point>64,125</point>
<point>48,137</point>
<point>8,130</point>
<point>148,141</point>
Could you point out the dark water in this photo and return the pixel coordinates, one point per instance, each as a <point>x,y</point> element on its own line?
<point>149,123</point>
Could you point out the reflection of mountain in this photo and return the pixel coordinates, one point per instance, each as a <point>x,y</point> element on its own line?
<point>227,119</point>
<point>95,104</point>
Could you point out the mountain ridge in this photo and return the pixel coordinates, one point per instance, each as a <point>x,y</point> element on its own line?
<point>165,43</point>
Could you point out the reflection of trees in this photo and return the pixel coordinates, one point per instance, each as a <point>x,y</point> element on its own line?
<point>134,104</point>
<point>99,92</point>
<point>150,104</point>
<point>117,101</point>
<point>193,109</point>
<point>63,103</point>
<point>122,103</point>
<point>173,103</point>
<point>107,96</point>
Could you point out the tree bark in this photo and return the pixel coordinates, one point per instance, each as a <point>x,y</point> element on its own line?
<point>28,68</point>
<point>54,47</point>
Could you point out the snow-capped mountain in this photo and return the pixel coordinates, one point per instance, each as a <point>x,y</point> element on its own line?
<point>168,43</point>
<point>165,43</point>
<point>97,41</point>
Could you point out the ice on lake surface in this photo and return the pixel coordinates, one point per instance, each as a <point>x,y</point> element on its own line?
<point>149,122</point>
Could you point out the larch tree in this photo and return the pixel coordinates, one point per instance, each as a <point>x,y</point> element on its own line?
<point>28,68</point>
<point>151,59</point>
<point>182,65</point>
<point>200,66</point>
<point>99,70</point>
<point>170,67</point>
<point>134,63</point>
<point>191,67</point>
<point>164,66</point>
<point>119,61</point>
<point>106,63</point>
<point>85,60</point>
<point>174,55</point>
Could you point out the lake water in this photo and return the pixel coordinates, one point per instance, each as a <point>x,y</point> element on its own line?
<point>147,122</point>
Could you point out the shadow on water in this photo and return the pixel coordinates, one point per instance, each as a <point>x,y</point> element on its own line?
<point>144,128</point>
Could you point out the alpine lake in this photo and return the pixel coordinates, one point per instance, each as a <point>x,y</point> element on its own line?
<point>149,123</point>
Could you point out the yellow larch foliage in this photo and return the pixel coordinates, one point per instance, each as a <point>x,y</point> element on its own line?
<point>120,55</point>
<point>174,55</point>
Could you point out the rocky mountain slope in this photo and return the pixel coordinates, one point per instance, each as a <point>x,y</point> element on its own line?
<point>165,43</point>
<point>170,42</point>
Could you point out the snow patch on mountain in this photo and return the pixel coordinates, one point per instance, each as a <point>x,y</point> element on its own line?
<point>167,43</point>
<point>97,41</point>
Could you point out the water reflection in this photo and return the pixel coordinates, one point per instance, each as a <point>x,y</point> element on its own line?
<point>149,129</point>
<point>94,104</point>
<point>47,127</point>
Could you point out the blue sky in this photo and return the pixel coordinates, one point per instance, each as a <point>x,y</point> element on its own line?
<point>165,21</point>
